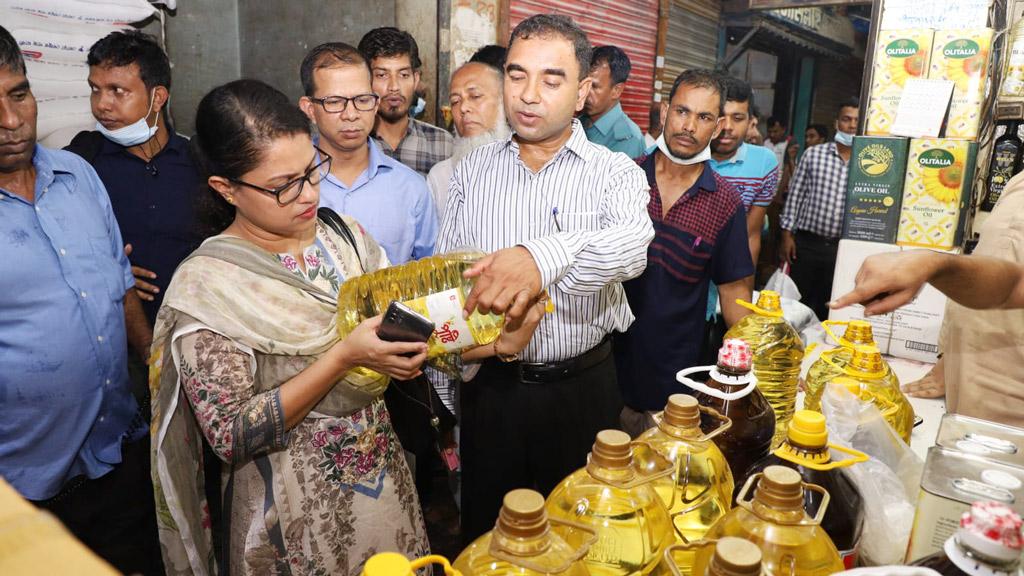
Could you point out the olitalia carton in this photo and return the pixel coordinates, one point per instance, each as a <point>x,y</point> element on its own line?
<point>899,56</point>
<point>962,56</point>
<point>952,480</point>
<point>875,188</point>
<point>936,193</point>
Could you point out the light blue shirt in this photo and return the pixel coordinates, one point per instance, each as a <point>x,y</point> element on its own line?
<point>392,202</point>
<point>65,400</point>
<point>616,132</point>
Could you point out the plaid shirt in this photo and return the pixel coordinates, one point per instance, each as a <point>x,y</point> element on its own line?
<point>817,193</point>
<point>423,146</point>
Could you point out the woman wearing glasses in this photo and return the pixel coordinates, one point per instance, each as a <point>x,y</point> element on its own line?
<point>245,347</point>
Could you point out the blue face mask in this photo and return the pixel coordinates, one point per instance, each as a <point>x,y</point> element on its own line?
<point>420,106</point>
<point>135,133</point>
<point>844,138</point>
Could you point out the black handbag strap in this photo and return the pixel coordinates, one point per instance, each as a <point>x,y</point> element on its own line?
<point>331,218</point>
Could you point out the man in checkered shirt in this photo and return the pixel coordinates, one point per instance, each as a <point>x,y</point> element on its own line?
<point>395,64</point>
<point>813,217</point>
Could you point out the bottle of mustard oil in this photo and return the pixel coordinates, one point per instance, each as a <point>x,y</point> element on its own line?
<point>732,391</point>
<point>778,352</point>
<point>701,484</point>
<point>525,543</point>
<point>615,496</point>
<point>731,557</point>
<point>432,286</point>
<point>791,542</point>
<point>988,543</point>
<point>395,564</point>
<point>876,383</point>
<point>807,451</point>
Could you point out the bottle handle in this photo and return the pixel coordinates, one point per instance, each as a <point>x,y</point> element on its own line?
<point>725,420</point>
<point>683,378</point>
<point>839,340</point>
<point>685,546</point>
<point>758,310</point>
<point>825,498</point>
<point>435,559</point>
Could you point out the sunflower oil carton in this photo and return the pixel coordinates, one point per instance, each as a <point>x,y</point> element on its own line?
<point>936,192</point>
<point>875,188</point>
<point>962,56</point>
<point>899,56</point>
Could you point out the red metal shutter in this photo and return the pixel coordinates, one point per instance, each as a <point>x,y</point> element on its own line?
<point>629,24</point>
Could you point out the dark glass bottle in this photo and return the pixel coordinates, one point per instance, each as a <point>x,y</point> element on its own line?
<point>987,542</point>
<point>732,392</point>
<point>806,450</point>
<point>1006,161</point>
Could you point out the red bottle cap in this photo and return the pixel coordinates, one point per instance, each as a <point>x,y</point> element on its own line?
<point>735,355</point>
<point>993,530</point>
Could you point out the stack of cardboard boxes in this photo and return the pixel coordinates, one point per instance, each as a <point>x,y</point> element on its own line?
<point>913,193</point>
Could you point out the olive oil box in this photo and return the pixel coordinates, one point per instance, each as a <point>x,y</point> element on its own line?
<point>899,56</point>
<point>962,56</point>
<point>936,193</point>
<point>875,188</point>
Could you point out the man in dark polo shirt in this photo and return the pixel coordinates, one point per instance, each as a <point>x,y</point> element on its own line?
<point>700,235</point>
<point>146,167</point>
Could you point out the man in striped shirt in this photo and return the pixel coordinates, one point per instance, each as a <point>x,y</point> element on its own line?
<point>560,213</point>
<point>700,234</point>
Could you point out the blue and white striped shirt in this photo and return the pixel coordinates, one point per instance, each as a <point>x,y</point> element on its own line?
<point>583,217</point>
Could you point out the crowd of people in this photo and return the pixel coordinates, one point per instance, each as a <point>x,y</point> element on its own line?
<point>187,287</point>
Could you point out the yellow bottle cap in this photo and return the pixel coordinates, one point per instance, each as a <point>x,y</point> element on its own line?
<point>808,429</point>
<point>867,360</point>
<point>850,384</point>
<point>769,300</point>
<point>859,332</point>
<point>387,564</point>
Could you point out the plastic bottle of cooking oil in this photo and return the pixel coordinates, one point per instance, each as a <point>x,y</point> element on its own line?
<point>395,564</point>
<point>731,557</point>
<point>987,543</point>
<point>433,287</point>
<point>614,495</point>
<point>732,391</point>
<point>807,451</point>
<point>878,384</point>
<point>791,542</point>
<point>857,332</point>
<point>525,543</point>
<point>701,483</point>
<point>778,352</point>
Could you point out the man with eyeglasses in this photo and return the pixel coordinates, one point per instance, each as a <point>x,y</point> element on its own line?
<point>388,198</point>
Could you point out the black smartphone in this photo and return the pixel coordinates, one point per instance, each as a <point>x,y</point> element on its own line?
<point>917,420</point>
<point>403,324</point>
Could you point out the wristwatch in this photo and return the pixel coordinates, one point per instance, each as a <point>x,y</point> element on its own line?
<point>504,357</point>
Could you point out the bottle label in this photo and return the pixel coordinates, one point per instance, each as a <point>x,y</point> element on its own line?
<point>849,558</point>
<point>451,331</point>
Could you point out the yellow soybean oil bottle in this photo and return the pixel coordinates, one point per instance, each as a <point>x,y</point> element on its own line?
<point>867,375</point>
<point>808,451</point>
<point>731,557</point>
<point>791,542</point>
<point>777,354</point>
<point>433,287</point>
<point>615,496</point>
<point>857,332</point>
<point>525,542</point>
<point>395,564</point>
<point>702,483</point>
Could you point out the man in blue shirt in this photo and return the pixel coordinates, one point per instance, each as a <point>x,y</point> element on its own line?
<point>603,119</point>
<point>71,437</point>
<point>388,198</point>
<point>700,235</point>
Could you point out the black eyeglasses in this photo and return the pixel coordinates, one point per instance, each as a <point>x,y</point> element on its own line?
<point>291,190</point>
<point>334,104</point>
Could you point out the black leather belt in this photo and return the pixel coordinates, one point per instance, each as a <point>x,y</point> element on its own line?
<point>544,372</point>
<point>817,237</point>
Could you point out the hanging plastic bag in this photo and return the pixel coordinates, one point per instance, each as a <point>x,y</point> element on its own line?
<point>781,282</point>
<point>888,482</point>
